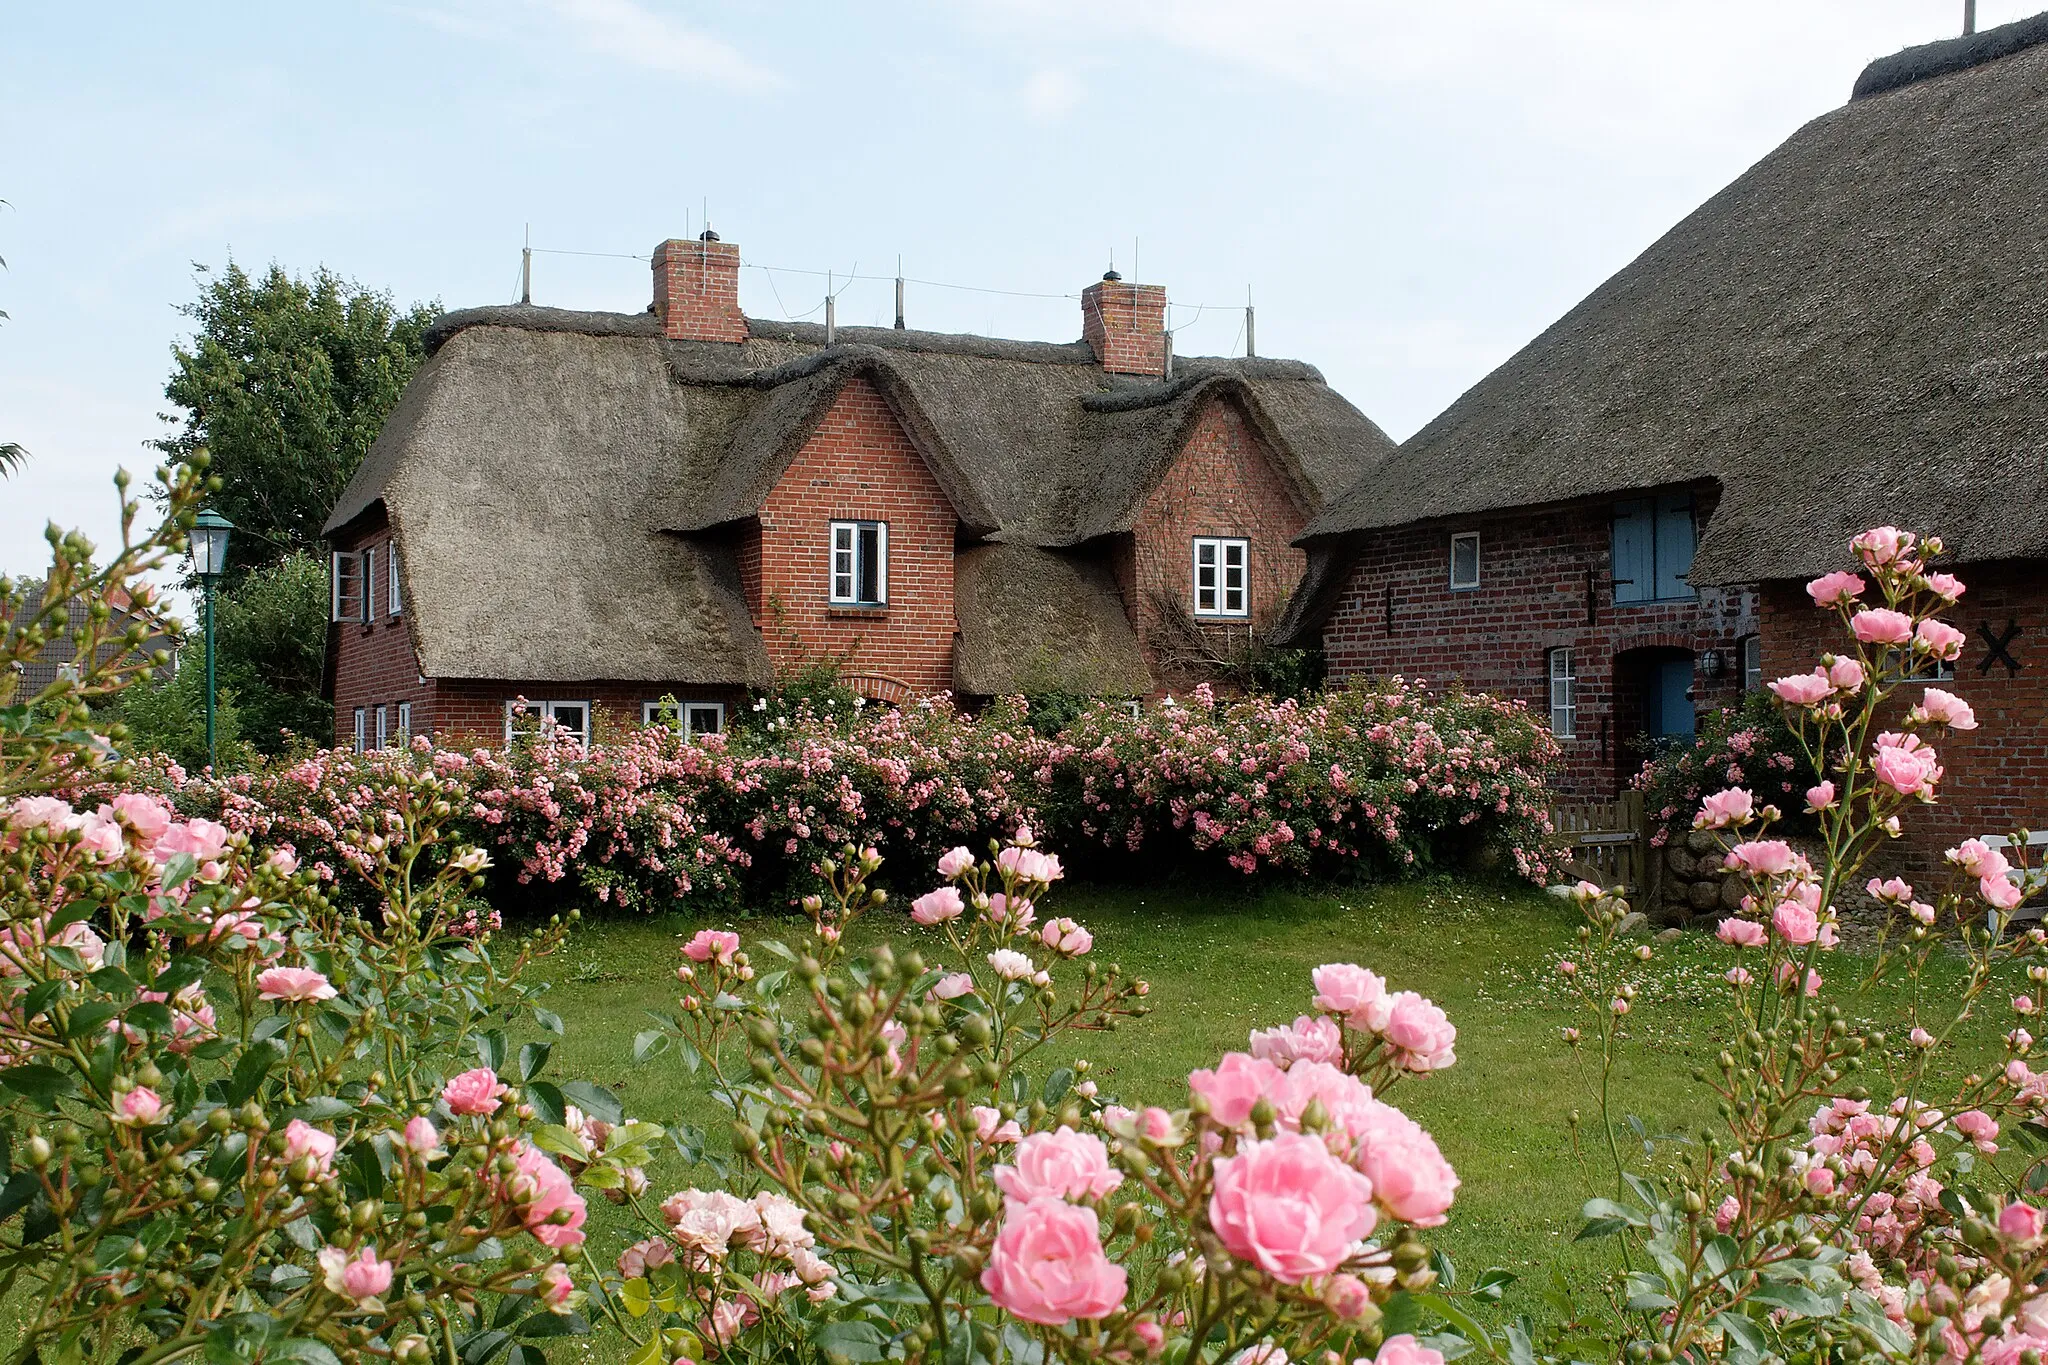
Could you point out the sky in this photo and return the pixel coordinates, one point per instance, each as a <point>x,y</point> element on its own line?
<point>1408,192</point>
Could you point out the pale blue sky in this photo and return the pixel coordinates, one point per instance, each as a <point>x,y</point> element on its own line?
<point>1411,190</point>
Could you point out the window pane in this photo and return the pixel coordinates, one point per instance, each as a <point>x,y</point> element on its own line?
<point>1635,575</point>
<point>1205,552</point>
<point>870,563</point>
<point>572,716</point>
<point>1464,561</point>
<point>1752,663</point>
<point>705,720</point>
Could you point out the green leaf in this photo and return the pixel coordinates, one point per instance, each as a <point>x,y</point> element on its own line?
<point>1742,1331</point>
<point>1601,1227</point>
<point>1403,1313</point>
<point>40,1082</point>
<point>91,1018</point>
<point>179,870</point>
<point>547,1324</point>
<point>1057,1085</point>
<point>244,1337</point>
<point>649,1043</point>
<point>490,1049</point>
<point>1607,1208</point>
<point>303,1349</point>
<point>1467,1325</point>
<point>548,1020</point>
<point>177,975</point>
<point>595,1101</point>
<point>546,1099</point>
<point>151,1016</point>
<point>860,1342</point>
<point>319,1109</point>
<point>1796,1299</point>
<point>532,1058</point>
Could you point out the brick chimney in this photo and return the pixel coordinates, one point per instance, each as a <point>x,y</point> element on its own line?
<point>697,289</point>
<point>1126,325</point>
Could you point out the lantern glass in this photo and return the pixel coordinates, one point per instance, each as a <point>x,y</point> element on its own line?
<point>210,532</point>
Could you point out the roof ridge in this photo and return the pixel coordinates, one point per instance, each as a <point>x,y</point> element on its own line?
<point>1928,60</point>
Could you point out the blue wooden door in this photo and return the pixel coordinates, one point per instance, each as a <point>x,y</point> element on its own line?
<point>1671,714</point>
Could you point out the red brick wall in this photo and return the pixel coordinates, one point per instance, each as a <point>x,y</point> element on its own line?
<point>858,466</point>
<point>1531,598</point>
<point>374,663</point>
<point>1224,483</point>
<point>1996,775</point>
<point>471,711</point>
<point>1126,324</point>
<point>697,290</point>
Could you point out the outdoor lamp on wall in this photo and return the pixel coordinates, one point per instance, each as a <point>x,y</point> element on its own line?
<point>1710,663</point>
<point>209,538</point>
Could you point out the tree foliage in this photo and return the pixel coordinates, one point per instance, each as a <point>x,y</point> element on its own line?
<point>271,631</point>
<point>286,383</point>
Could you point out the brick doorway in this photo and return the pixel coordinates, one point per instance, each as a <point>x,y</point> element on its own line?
<point>1653,705</point>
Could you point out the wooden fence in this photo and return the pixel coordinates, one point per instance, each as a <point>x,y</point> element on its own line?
<point>1604,841</point>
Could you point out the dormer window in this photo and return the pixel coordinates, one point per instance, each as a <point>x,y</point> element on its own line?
<point>1221,577</point>
<point>860,563</point>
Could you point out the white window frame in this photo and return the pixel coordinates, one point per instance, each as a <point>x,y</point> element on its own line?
<point>369,585</point>
<point>362,729</point>
<point>537,711</point>
<point>393,605</point>
<point>346,572</point>
<point>681,716</point>
<point>1136,707</point>
<point>405,722</point>
<point>1461,538</point>
<point>383,727</point>
<point>1749,657</point>
<point>843,576</point>
<point>1215,577</point>
<point>1560,667</point>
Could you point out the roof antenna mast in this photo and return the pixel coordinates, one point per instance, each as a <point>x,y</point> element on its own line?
<point>830,311</point>
<point>899,292</point>
<point>1251,326</point>
<point>1969,17</point>
<point>526,267</point>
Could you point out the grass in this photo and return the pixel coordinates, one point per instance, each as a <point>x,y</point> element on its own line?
<point>1223,961</point>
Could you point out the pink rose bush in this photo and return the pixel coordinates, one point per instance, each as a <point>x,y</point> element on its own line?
<point>1849,1164</point>
<point>880,1100</point>
<point>223,1070</point>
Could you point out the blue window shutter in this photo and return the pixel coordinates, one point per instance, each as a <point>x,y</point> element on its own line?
<point>1634,557</point>
<point>1674,546</point>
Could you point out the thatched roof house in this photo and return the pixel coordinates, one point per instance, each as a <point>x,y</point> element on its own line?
<point>1853,333</point>
<point>584,498</point>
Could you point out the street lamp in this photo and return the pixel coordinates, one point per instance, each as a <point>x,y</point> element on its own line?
<point>209,557</point>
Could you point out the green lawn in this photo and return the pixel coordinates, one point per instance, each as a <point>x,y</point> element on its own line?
<point>1224,961</point>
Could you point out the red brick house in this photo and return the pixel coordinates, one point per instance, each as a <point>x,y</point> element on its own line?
<point>594,511</point>
<point>1616,525</point>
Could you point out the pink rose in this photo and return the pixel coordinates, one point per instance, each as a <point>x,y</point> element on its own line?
<point>420,1137</point>
<point>543,1190</point>
<point>1907,768</point>
<point>1421,1033</point>
<point>1061,1164</point>
<point>1410,1178</point>
<point>1066,938</point>
<point>146,815</point>
<point>1940,639</point>
<point>2019,1222</point>
<point>1820,1181</point>
<point>1803,689</point>
<point>1406,1350</point>
<point>712,943</point>
<point>1835,588</point>
<point>1310,1037</point>
<point>1795,923</point>
<point>30,811</point>
<point>1346,989</point>
<point>101,837</point>
<point>936,907</point>
<point>361,1278</point>
<point>1010,964</point>
<point>293,983</point>
<point>1047,1265</point>
<point>1980,1128</point>
<point>1238,1082</point>
<point>1845,675</point>
<point>473,1092</point>
<point>954,861</point>
<point>1347,1297</point>
<point>1150,1335</point>
<point>1882,626</point>
<point>1289,1207</point>
<point>1944,708</point>
<point>990,1127</point>
<point>951,987</point>
<point>1820,797</point>
<point>1946,586</point>
<point>1029,865</point>
<point>1155,1124</point>
<point>556,1287</point>
<point>1978,859</point>
<point>302,1139</point>
<point>1882,545</point>
<point>1725,808</point>
<point>1013,913</point>
<point>1999,893</point>
<point>1740,933</point>
<point>139,1107</point>
<point>1761,858</point>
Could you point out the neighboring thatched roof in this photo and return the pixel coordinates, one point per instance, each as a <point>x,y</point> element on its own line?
<point>532,430</point>
<point>1854,332</point>
<point>1036,620</point>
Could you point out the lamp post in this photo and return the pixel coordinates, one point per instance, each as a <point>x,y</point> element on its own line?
<point>209,557</point>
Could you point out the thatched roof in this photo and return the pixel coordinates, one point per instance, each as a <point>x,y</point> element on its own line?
<point>1035,620</point>
<point>562,482</point>
<point>1854,332</point>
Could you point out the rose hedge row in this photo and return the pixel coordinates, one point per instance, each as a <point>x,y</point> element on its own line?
<point>1386,780</point>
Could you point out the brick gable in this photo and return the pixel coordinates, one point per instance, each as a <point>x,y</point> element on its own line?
<point>1224,482</point>
<point>857,465</point>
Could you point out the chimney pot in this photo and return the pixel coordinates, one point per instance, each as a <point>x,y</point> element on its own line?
<point>697,289</point>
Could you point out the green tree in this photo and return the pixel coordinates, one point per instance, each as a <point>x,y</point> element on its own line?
<point>270,632</point>
<point>168,716</point>
<point>286,383</point>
